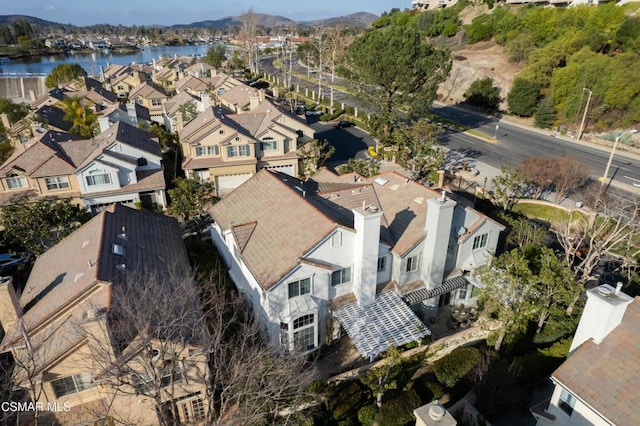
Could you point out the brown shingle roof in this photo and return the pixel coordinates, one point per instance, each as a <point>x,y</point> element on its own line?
<point>147,90</point>
<point>286,225</point>
<point>605,376</point>
<point>85,257</point>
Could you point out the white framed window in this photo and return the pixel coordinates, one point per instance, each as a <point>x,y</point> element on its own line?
<point>336,239</point>
<point>341,276</point>
<point>207,150</point>
<point>15,182</point>
<point>238,151</point>
<point>98,178</point>
<point>480,241</point>
<point>463,291</point>
<point>72,384</point>
<point>268,144</point>
<point>156,102</point>
<point>567,402</point>
<point>382,263</point>
<point>299,288</point>
<point>304,333</point>
<point>412,263</point>
<point>120,87</point>
<point>58,182</point>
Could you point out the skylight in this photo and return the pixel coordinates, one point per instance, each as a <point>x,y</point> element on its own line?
<point>382,181</point>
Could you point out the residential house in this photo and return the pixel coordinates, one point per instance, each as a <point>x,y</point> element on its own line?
<point>200,70</point>
<point>598,383</point>
<point>51,117</point>
<point>173,117</point>
<point>134,114</point>
<point>335,252</point>
<point>151,96</point>
<point>52,97</point>
<point>240,98</point>
<point>228,149</point>
<point>64,323</point>
<point>123,164</point>
<point>123,79</point>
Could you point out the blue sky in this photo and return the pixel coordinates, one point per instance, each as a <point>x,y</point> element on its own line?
<point>167,12</point>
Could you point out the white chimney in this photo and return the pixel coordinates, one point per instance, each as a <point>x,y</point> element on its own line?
<point>433,414</point>
<point>10,309</point>
<point>103,121</point>
<point>602,314</point>
<point>366,222</point>
<point>436,243</point>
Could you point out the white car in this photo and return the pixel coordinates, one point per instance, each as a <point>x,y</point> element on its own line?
<point>314,112</point>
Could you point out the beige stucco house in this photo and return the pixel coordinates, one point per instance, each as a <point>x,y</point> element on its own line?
<point>228,149</point>
<point>65,329</point>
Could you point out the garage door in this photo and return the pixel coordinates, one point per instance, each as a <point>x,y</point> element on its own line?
<point>230,182</point>
<point>283,169</point>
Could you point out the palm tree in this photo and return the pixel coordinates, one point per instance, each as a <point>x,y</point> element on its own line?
<point>84,120</point>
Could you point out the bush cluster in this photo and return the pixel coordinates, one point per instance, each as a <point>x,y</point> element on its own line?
<point>454,366</point>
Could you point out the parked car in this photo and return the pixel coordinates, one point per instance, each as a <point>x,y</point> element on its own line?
<point>260,84</point>
<point>342,124</point>
<point>10,261</point>
<point>314,112</point>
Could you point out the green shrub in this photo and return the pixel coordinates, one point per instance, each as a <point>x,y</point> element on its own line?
<point>480,29</point>
<point>453,367</point>
<point>398,411</point>
<point>366,415</point>
<point>559,349</point>
<point>523,97</point>
<point>483,93</point>
<point>344,399</point>
<point>428,390</point>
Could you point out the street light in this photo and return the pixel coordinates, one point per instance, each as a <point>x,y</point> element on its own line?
<point>613,151</point>
<point>584,116</point>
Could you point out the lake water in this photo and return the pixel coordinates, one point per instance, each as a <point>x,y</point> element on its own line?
<point>91,62</point>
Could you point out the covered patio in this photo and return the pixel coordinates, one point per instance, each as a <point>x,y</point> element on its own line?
<point>387,322</point>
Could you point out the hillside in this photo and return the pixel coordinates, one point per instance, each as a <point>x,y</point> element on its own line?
<point>10,19</point>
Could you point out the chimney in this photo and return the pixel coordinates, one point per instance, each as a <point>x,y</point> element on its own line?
<point>32,95</point>
<point>10,309</point>
<point>366,222</point>
<point>254,101</point>
<point>433,414</point>
<point>132,114</point>
<point>179,122</point>
<point>5,121</point>
<point>602,313</point>
<point>206,102</point>
<point>103,121</point>
<point>261,94</point>
<point>438,227</point>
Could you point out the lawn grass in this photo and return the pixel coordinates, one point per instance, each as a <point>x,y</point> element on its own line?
<point>548,212</point>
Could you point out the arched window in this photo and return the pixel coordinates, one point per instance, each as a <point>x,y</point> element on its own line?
<point>142,161</point>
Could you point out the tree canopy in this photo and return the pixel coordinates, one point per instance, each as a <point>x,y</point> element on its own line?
<point>190,197</point>
<point>84,120</point>
<point>63,74</point>
<point>405,77</point>
<point>216,55</point>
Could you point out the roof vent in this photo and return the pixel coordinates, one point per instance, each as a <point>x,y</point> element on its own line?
<point>92,313</point>
<point>618,288</point>
<point>436,412</point>
<point>372,208</point>
<point>604,291</point>
<point>461,231</point>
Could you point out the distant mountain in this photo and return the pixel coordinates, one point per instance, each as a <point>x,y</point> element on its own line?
<point>10,19</point>
<point>262,19</point>
<point>359,19</point>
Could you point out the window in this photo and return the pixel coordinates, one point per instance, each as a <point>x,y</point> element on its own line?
<point>156,102</point>
<point>145,381</point>
<point>268,144</point>
<point>142,162</point>
<point>382,263</point>
<point>193,410</point>
<point>412,264</point>
<point>336,239</point>
<point>72,384</point>
<point>462,292</point>
<point>120,87</point>
<point>284,335</point>
<point>304,334</point>
<point>340,277</point>
<point>567,402</point>
<point>59,182</point>
<point>98,179</point>
<point>480,241</point>
<point>238,151</point>
<point>207,150</point>
<point>300,287</point>
<point>15,182</point>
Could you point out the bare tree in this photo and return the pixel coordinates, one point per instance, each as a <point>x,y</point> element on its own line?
<point>508,187</point>
<point>336,50</point>
<point>539,172</point>
<point>248,35</point>
<point>314,154</point>
<point>570,174</point>
<point>173,335</point>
